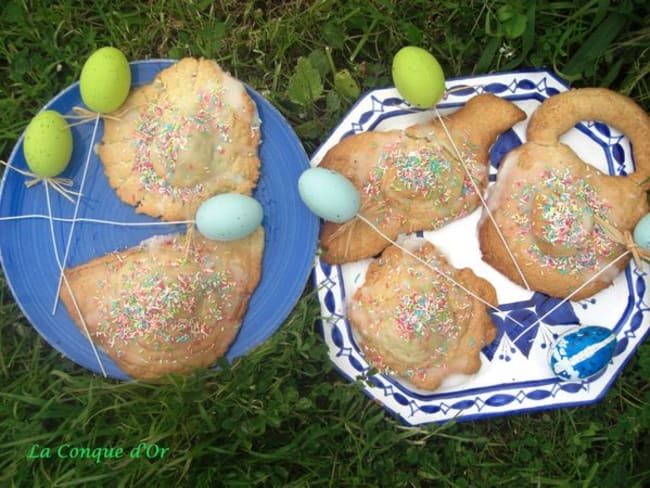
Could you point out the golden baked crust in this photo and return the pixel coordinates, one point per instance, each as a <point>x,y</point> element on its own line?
<point>190,134</point>
<point>546,199</point>
<point>416,324</point>
<point>158,308</point>
<point>411,180</point>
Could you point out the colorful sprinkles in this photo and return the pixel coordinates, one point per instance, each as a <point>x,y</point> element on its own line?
<point>419,312</point>
<point>431,173</point>
<point>569,203</point>
<point>157,139</point>
<point>179,150</point>
<point>425,172</point>
<point>160,306</point>
<point>564,220</point>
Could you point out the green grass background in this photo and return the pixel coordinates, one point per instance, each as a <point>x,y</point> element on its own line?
<point>281,416</point>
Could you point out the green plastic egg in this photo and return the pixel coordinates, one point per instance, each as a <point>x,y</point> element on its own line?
<point>47,144</point>
<point>105,80</point>
<point>418,77</point>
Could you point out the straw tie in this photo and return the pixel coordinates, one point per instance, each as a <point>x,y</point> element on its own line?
<point>624,238</point>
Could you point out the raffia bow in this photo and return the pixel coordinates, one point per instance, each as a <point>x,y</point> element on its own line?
<point>60,185</point>
<point>624,238</point>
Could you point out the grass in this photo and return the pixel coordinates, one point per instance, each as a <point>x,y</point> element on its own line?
<point>281,416</point>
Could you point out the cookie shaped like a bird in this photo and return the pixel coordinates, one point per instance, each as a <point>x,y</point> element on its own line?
<point>412,180</point>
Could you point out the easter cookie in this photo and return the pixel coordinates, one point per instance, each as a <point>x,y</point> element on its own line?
<point>190,134</point>
<point>550,205</point>
<point>416,324</point>
<point>163,307</point>
<point>412,180</point>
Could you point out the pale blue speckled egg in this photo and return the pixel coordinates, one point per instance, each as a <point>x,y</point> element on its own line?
<point>229,216</point>
<point>642,232</point>
<point>329,194</point>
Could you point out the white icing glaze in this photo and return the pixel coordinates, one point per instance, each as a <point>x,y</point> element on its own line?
<point>609,274</point>
<point>233,93</point>
<point>495,191</point>
<point>155,242</point>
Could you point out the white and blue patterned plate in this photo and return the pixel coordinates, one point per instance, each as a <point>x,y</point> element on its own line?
<point>515,375</point>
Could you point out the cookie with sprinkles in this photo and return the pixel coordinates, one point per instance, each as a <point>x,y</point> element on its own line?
<point>190,134</point>
<point>554,209</point>
<point>163,307</point>
<point>415,324</point>
<point>412,180</point>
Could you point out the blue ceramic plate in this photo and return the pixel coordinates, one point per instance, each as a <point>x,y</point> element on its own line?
<point>515,375</point>
<point>28,258</point>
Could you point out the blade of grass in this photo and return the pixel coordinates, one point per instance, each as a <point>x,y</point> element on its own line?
<point>594,46</point>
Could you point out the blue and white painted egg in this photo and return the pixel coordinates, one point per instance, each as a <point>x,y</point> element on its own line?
<point>582,352</point>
